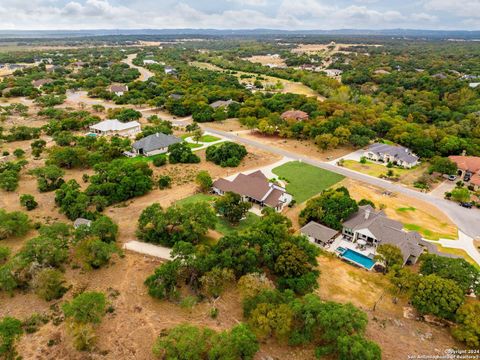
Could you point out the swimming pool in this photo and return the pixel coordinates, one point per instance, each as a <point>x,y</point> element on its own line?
<point>358,259</point>
<point>341,250</point>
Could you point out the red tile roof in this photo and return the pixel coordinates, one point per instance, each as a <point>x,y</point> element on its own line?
<point>470,163</point>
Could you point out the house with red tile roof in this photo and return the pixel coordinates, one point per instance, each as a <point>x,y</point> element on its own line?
<point>255,188</point>
<point>468,164</point>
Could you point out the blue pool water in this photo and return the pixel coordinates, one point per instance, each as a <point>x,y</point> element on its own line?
<point>358,259</point>
<point>341,250</point>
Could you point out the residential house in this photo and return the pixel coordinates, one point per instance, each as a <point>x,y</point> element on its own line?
<point>333,72</point>
<point>119,90</point>
<point>81,222</point>
<point>370,228</point>
<point>474,85</point>
<point>169,70</point>
<point>154,144</point>
<point>470,165</point>
<point>113,127</point>
<point>175,96</point>
<point>297,115</point>
<point>221,103</point>
<point>149,62</point>
<point>318,233</point>
<point>255,188</point>
<point>396,154</point>
<point>79,64</point>
<point>381,72</point>
<point>40,82</point>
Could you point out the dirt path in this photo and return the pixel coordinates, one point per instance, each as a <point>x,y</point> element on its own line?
<point>144,73</point>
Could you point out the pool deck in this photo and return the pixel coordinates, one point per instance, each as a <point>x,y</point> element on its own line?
<point>340,242</point>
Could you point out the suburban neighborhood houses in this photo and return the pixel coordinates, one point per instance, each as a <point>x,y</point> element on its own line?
<point>468,166</point>
<point>395,154</point>
<point>113,127</point>
<point>255,188</point>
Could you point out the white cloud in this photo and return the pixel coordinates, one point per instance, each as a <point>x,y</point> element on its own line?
<point>464,8</point>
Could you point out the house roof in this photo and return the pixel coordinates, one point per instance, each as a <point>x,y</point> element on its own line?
<point>114,125</point>
<point>470,163</point>
<point>155,142</point>
<point>118,88</point>
<point>294,114</point>
<point>386,230</point>
<point>41,82</point>
<point>254,185</point>
<point>397,151</point>
<point>81,221</point>
<point>221,103</point>
<point>318,231</point>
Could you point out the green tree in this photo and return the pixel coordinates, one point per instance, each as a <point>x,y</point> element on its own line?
<point>182,153</point>
<point>461,194</point>
<point>204,181</point>
<point>390,255</point>
<point>49,284</point>
<point>468,320</point>
<point>4,254</point>
<point>164,182</point>
<point>49,178</point>
<point>19,153</point>
<point>215,281</point>
<point>356,347</point>
<point>86,308</point>
<point>10,332</point>
<point>94,253</point>
<point>13,224</point>
<point>227,154</point>
<point>28,202</point>
<point>269,320</point>
<point>164,282</point>
<point>239,343</point>
<point>437,296</point>
<point>231,207</point>
<point>442,165</point>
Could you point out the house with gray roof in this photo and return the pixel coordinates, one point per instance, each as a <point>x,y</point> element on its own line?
<point>81,222</point>
<point>318,233</point>
<point>370,228</point>
<point>221,103</point>
<point>396,154</point>
<point>154,144</point>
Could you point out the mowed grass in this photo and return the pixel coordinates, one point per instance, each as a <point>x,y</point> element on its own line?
<point>222,226</point>
<point>372,169</point>
<point>143,158</point>
<point>304,180</point>
<point>208,138</point>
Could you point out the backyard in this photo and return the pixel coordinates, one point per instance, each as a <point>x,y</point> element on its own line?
<point>305,181</point>
<point>223,227</point>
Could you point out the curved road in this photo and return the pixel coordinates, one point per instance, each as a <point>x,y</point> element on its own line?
<point>144,73</point>
<point>467,220</point>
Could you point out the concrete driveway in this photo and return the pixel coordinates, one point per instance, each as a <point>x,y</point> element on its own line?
<point>157,251</point>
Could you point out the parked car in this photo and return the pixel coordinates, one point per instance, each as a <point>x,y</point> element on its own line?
<point>467,205</point>
<point>467,176</point>
<point>452,177</point>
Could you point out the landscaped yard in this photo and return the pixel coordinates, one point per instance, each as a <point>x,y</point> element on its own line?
<point>305,181</point>
<point>223,226</point>
<point>143,158</point>
<point>208,138</point>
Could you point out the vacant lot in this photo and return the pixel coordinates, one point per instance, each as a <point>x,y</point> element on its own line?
<point>305,181</point>
<point>405,176</point>
<point>415,214</point>
<point>267,60</point>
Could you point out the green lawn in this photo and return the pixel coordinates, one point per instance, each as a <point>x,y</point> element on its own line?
<point>223,226</point>
<point>143,158</point>
<point>194,145</point>
<point>208,138</point>
<point>305,181</point>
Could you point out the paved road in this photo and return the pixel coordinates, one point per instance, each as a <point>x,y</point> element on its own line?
<point>467,220</point>
<point>144,73</point>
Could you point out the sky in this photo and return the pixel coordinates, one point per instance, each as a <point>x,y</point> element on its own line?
<point>239,14</point>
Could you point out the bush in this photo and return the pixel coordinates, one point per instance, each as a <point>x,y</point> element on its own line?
<point>164,182</point>
<point>28,202</point>
<point>14,223</point>
<point>18,153</point>
<point>4,254</point>
<point>49,284</point>
<point>10,331</point>
<point>159,161</point>
<point>204,181</point>
<point>86,308</point>
<point>94,253</point>
<point>182,153</point>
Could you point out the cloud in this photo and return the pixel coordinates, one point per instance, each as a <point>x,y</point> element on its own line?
<point>238,14</point>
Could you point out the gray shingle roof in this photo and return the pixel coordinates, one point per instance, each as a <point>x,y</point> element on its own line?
<point>386,230</point>
<point>81,221</point>
<point>318,231</point>
<point>397,151</point>
<point>155,142</point>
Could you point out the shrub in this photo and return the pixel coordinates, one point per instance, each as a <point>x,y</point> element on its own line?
<point>10,331</point>
<point>28,202</point>
<point>227,154</point>
<point>49,284</point>
<point>164,182</point>
<point>182,153</point>
<point>18,153</point>
<point>159,161</point>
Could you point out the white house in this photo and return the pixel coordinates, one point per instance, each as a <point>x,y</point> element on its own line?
<point>149,62</point>
<point>397,155</point>
<point>114,127</point>
<point>119,90</point>
<point>154,144</point>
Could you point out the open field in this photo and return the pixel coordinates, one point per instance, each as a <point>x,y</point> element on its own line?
<point>287,85</point>
<point>266,60</point>
<point>405,176</point>
<point>416,215</point>
<point>305,181</point>
<point>331,48</point>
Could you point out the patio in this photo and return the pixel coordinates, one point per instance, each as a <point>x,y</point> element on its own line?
<point>340,242</point>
